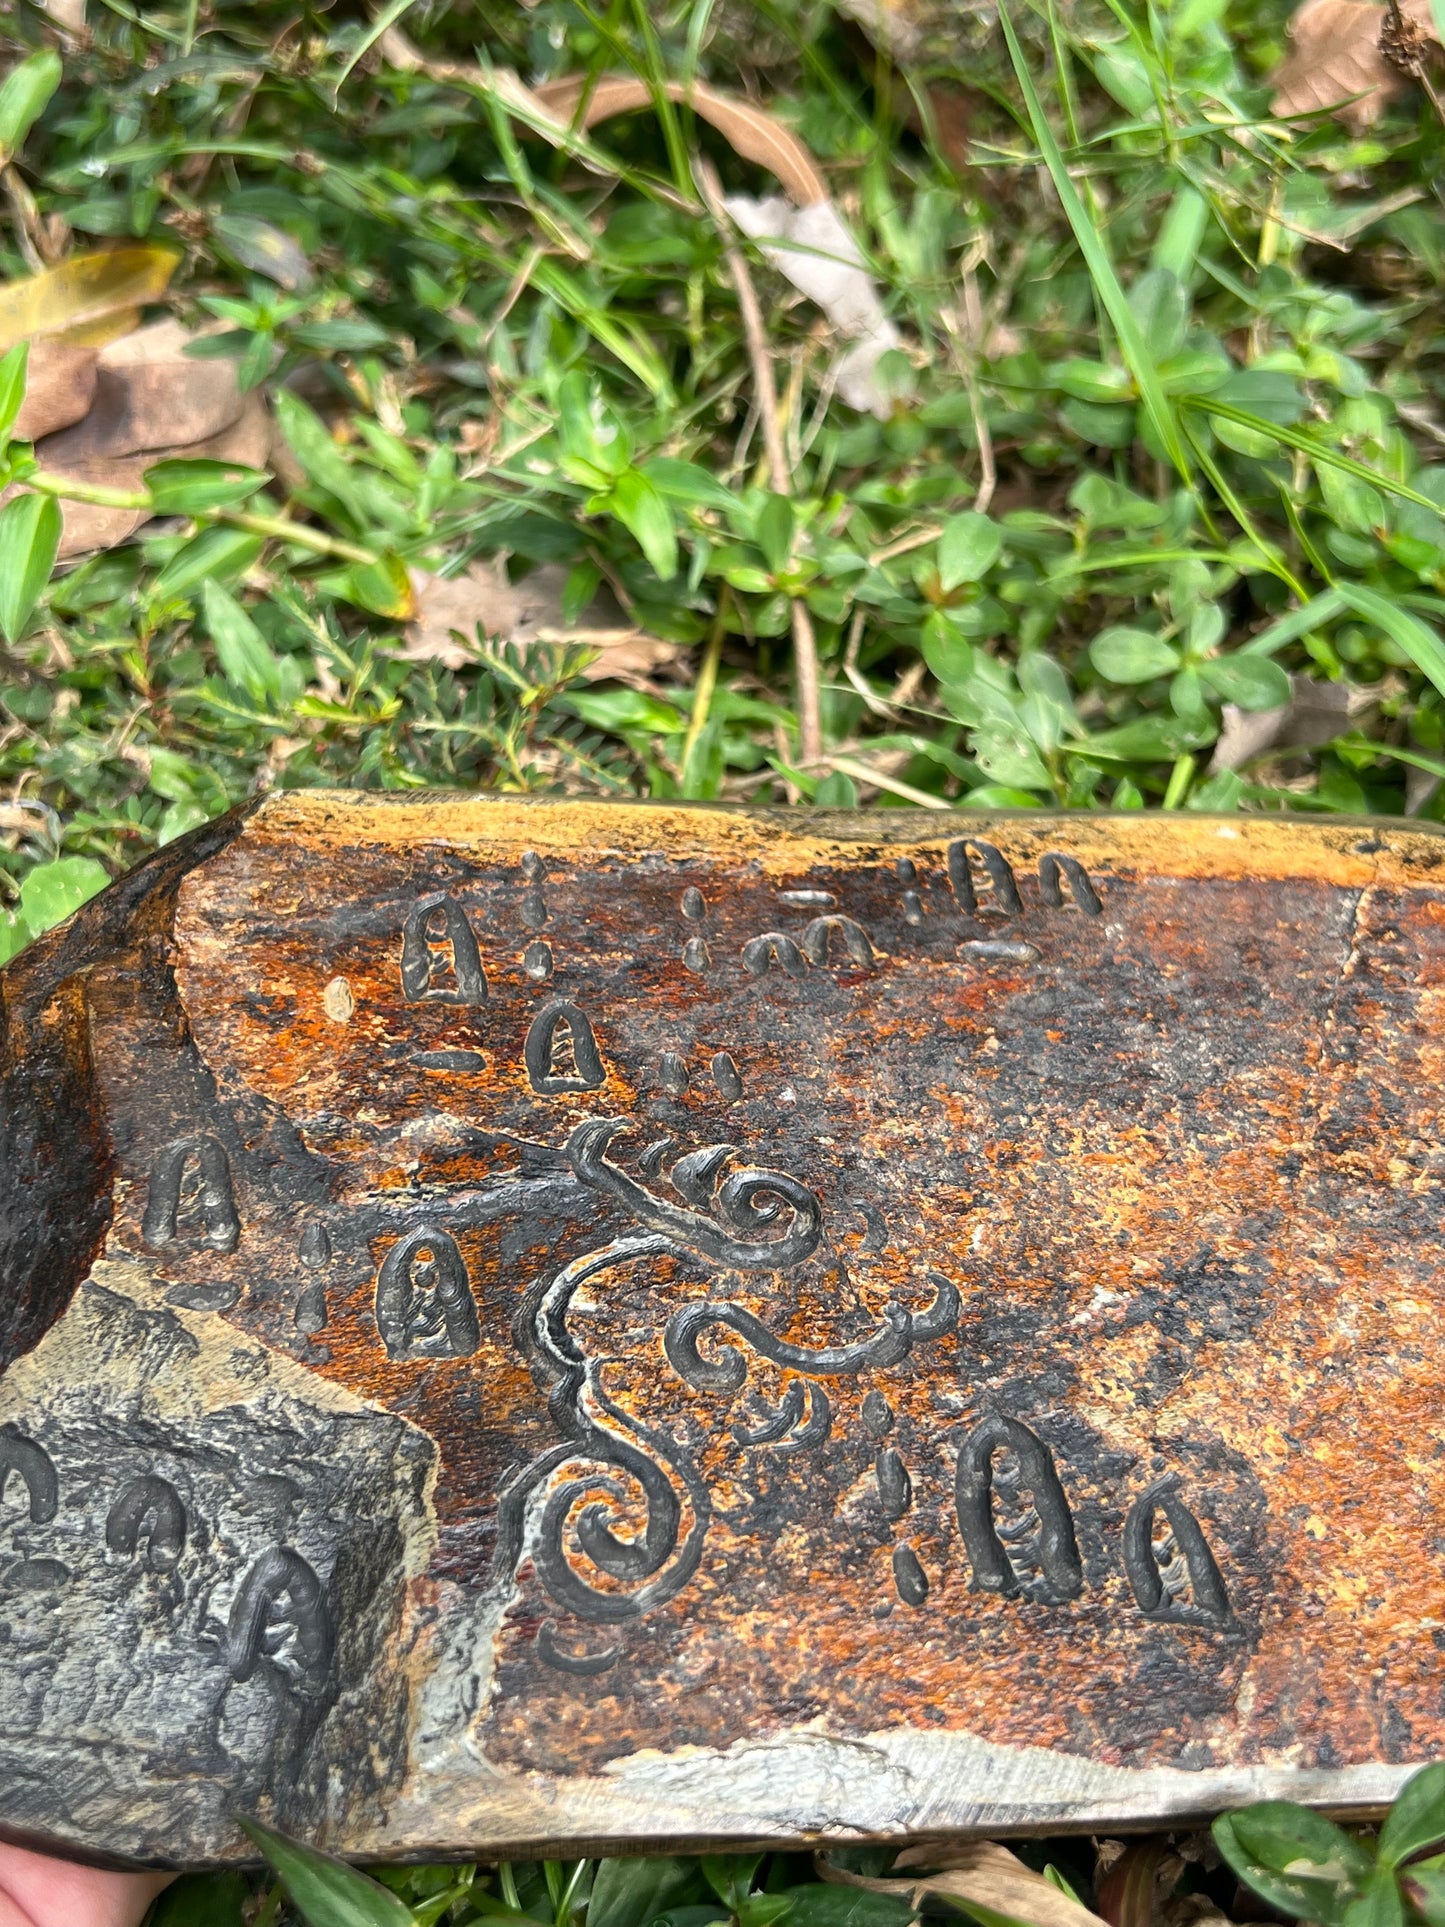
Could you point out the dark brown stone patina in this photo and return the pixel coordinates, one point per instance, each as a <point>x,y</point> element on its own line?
<point>574,1324</point>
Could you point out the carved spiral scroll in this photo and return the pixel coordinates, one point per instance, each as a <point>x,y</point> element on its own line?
<point>900,1332</point>
<point>749,1203</point>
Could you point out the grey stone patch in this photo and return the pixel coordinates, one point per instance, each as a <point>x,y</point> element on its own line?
<point>165,1659</point>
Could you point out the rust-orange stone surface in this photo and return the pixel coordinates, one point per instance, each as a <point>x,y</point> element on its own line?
<point>568,1324</point>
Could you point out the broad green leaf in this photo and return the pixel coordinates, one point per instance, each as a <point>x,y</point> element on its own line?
<point>190,486</point>
<point>383,586</point>
<point>1160,302</point>
<point>12,388</point>
<point>246,658</point>
<point>1132,343</point>
<point>327,1892</point>
<point>23,97</point>
<point>30,528</point>
<point>202,1900</point>
<point>1253,682</point>
<point>643,510</point>
<point>1094,381</point>
<point>1126,655</point>
<point>1420,644</point>
<point>773,530</point>
<point>689,482</point>
<point>968,548</point>
<point>946,650</point>
<point>632,1893</point>
<point>1417,1819</point>
<point>53,891</point>
<point>730,1875</point>
<point>1294,1859</point>
<point>839,1906</point>
<point>1380,1905</point>
<point>214,553</point>
<point>1151,739</point>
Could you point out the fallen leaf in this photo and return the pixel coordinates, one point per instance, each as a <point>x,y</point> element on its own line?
<point>149,393</point>
<point>483,598</point>
<point>90,296</point>
<point>1315,714</point>
<point>814,249</point>
<point>247,441</point>
<point>750,131</point>
<point>1336,63</point>
<point>978,1870</point>
<point>59,388</point>
<point>265,249</point>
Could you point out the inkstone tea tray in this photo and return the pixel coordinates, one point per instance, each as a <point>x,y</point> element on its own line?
<point>554,1324</point>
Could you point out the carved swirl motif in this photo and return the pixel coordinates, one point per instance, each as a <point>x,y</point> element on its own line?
<point>745,1219</point>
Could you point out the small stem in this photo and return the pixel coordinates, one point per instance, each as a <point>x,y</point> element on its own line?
<point>1180,777</point>
<point>706,681</point>
<point>67,489</point>
<point>861,773</point>
<point>805,663</point>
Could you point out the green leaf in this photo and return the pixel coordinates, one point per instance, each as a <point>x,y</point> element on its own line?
<point>326,1891</point>
<point>218,552</point>
<point>1152,739</point>
<point>632,1893</point>
<point>839,1906</point>
<point>968,548</point>
<point>641,507</point>
<point>1294,1859</point>
<point>1132,343</point>
<point>246,658</point>
<point>1253,682</point>
<point>53,891</point>
<point>1420,644</point>
<point>689,482</point>
<point>948,653</point>
<point>1160,302</point>
<point>730,1875</point>
<point>189,486</point>
<point>23,97</point>
<point>1380,1905</point>
<point>773,530</point>
<point>12,388</point>
<point>1132,655</point>
<point>29,537</point>
<point>1417,1819</point>
<point>1425,1885</point>
<point>264,249</point>
<point>202,1900</point>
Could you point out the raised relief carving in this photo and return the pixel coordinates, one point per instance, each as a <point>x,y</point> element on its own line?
<point>424,1302</point>
<point>148,1508</point>
<point>726,1077</point>
<point>440,961</point>
<point>907,871</point>
<point>909,1576</point>
<point>1017,1529</point>
<point>672,1073</point>
<point>773,947</point>
<point>823,932</point>
<point>895,1488</point>
<point>314,1247</point>
<point>537,960</point>
<point>557,1033</point>
<point>534,902</point>
<point>35,1469</point>
<point>191,1177</point>
<point>280,1616</point>
<point>1170,1567</point>
<point>972,862</point>
<point>1055,869</point>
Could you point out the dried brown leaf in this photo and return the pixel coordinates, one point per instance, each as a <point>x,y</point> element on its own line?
<point>978,1870</point>
<point>89,291</point>
<point>1315,714</point>
<point>451,609</point>
<point>750,131</point>
<point>246,440</point>
<point>1335,63</point>
<point>59,388</point>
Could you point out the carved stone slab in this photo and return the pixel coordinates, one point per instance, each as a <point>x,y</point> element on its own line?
<point>568,1325</point>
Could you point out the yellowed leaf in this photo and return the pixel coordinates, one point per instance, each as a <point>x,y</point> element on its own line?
<point>1336,64</point>
<point>87,291</point>
<point>978,1870</point>
<point>750,131</point>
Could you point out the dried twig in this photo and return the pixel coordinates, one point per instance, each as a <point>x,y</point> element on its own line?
<point>805,648</point>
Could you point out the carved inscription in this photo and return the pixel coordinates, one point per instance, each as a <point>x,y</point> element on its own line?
<point>149,1509</point>
<point>1170,1566</point>
<point>191,1178</point>
<point>1016,1525</point>
<point>561,1051</point>
<point>279,1617</point>
<point>424,1302</point>
<point>34,1468</point>
<point>440,960</point>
